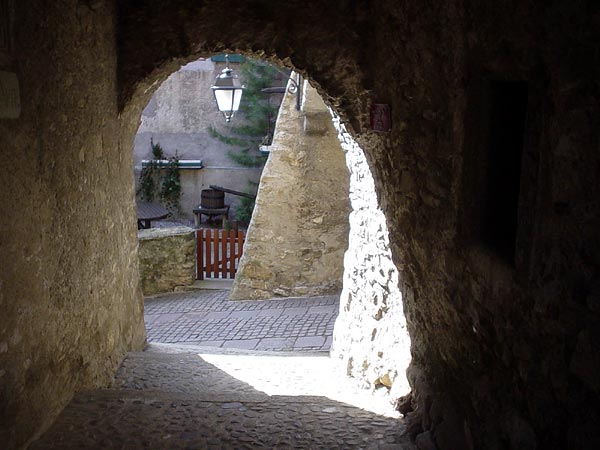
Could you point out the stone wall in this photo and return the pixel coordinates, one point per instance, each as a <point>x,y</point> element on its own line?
<point>69,290</point>
<point>370,339</point>
<point>167,259</point>
<point>299,227</point>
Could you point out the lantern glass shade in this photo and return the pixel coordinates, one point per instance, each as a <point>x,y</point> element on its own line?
<point>228,93</point>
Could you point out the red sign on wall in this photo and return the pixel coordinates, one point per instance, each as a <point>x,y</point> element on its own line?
<point>381,118</point>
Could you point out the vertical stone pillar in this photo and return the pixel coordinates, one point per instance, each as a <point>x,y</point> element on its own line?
<point>299,229</point>
<point>370,339</point>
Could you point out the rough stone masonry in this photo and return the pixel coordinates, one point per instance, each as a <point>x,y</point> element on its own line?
<point>167,259</point>
<point>299,229</point>
<point>371,341</point>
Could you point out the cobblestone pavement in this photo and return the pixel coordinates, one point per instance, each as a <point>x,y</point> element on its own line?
<point>209,318</point>
<point>184,397</point>
<point>206,382</point>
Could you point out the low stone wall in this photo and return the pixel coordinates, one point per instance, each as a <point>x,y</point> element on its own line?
<point>167,259</point>
<point>370,339</point>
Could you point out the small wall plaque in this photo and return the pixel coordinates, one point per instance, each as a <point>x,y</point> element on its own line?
<point>381,118</point>
<point>10,98</point>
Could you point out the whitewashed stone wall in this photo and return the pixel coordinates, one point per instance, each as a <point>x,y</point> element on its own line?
<point>370,338</point>
<point>167,259</point>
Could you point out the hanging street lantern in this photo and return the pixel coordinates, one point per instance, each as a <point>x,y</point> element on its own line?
<point>228,91</point>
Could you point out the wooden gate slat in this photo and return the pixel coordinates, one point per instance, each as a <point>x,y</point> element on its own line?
<point>215,249</point>
<point>207,252</point>
<point>209,239</point>
<point>223,258</point>
<point>199,255</point>
<point>231,242</point>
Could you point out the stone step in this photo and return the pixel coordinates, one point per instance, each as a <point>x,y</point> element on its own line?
<point>190,347</point>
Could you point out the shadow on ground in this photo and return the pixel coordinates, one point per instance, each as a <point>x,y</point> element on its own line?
<point>180,401</point>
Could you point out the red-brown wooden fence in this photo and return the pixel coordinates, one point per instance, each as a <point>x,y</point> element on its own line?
<point>218,253</point>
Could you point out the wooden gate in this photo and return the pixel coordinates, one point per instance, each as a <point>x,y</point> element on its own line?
<point>218,253</point>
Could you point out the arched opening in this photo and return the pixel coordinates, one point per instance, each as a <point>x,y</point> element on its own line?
<point>371,343</point>
<point>343,426</point>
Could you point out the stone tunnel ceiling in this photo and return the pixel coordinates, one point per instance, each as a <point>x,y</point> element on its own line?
<point>505,349</point>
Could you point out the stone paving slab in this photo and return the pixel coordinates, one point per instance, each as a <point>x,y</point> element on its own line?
<point>277,343</point>
<point>209,318</point>
<point>246,344</point>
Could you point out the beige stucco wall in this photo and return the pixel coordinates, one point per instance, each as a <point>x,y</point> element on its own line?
<point>299,228</point>
<point>178,116</point>
<point>236,178</point>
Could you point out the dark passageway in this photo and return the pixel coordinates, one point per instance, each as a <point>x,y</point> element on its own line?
<point>501,300</point>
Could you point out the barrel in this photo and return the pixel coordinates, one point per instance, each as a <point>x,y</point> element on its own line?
<point>212,199</point>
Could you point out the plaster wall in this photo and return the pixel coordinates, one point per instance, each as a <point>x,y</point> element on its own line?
<point>178,116</point>
<point>299,227</point>
<point>242,179</point>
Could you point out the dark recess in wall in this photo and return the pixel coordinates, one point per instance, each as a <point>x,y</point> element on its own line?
<point>507,113</point>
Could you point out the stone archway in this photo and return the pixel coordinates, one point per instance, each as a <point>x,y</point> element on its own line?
<point>427,174</point>
<point>342,77</point>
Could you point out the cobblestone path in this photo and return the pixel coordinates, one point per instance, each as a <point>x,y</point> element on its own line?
<point>185,397</point>
<point>206,382</point>
<point>209,318</point>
